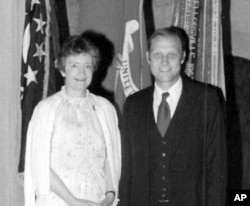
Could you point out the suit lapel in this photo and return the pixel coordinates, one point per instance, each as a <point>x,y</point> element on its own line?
<point>176,132</point>
<point>142,148</point>
<point>147,114</point>
<point>145,110</point>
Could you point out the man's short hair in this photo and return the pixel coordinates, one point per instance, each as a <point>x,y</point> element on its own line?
<point>171,31</point>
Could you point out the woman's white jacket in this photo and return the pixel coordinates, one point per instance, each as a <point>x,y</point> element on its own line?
<point>37,156</point>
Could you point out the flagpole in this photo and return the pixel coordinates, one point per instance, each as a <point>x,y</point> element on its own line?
<point>204,42</point>
<point>117,71</point>
<point>47,51</point>
<point>205,127</point>
<point>141,41</point>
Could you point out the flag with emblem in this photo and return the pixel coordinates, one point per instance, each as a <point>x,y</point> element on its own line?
<point>38,57</point>
<point>133,71</point>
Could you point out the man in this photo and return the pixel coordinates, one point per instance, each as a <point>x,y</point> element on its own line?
<point>182,161</point>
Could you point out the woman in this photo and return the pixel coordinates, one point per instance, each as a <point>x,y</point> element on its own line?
<point>73,147</point>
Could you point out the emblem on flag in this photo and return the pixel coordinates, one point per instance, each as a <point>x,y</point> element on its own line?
<point>128,47</point>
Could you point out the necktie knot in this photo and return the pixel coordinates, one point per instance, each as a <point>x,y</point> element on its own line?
<point>164,96</point>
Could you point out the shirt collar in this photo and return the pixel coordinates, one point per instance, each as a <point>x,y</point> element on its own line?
<point>174,92</point>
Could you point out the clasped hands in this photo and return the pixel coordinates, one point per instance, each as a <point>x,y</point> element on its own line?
<point>107,201</point>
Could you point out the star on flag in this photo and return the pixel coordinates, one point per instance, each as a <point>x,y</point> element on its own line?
<point>40,23</point>
<point>30,76</point>
<point>39,52</point>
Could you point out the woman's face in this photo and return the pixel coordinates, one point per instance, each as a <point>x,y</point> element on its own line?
<point>78,73</point>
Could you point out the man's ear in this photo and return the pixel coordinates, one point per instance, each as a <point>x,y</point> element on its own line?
<point>183,57</point>
<point>148,57</point>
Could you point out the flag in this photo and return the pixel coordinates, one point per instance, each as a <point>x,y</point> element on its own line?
<point>38,57</point>
<point>201,19</point>
<point>133,71</point>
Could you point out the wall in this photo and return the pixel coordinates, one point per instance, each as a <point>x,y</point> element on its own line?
<point>240,28</point>
<point>11,15</point>
<point>103,16</point>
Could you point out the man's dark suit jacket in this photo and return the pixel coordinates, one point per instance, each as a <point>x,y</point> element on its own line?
<point>196,137</point>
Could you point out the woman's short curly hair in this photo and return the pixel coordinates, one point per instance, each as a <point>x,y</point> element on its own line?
<point>75,45</point>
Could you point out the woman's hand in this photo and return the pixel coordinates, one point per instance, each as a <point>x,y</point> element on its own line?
<point>60,189</point>
<point>83,202</point>
<point>109,199</point>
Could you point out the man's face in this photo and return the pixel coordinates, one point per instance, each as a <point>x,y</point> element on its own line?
<point>165,58</point>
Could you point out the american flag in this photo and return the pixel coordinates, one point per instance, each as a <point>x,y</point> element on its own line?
<point>37,69</point>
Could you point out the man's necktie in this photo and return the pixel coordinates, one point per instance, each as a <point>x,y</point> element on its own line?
<point>163,117</point>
